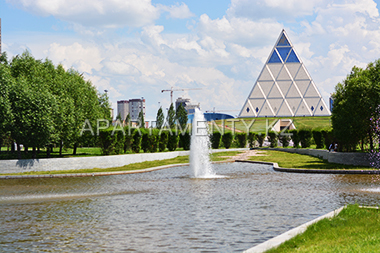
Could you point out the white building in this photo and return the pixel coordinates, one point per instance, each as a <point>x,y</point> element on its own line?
<point>284,87</point>
<point>122,108</point>
<point>132,107</point>
<point>190,108</point>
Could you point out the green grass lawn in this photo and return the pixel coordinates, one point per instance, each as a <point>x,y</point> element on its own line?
<point>297,161</point>
<point>354,229</point>
<point>133,166</point>
<point>260,123</point>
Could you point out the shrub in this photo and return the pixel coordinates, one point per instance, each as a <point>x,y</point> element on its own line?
<point>227,139</point>
<point>119,142</point>
<point>163,141</point>
<point>241,139</point>
<point>318,138</point>
<point>173,141</point>
<point>305,136</point>
<point>295,138</point>
<point>328,137</point>
<point>215,140</point>
<point>251,139</point>
<point>106,141</point>
<point>185,140</point>
<point>284,139</point>
<point>272,138</point>
<point>127,140</point>
<point>136,144</point>
<point>260,139</point>
<point>145,142</point>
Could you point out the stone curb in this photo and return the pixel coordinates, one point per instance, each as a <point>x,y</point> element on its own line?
<point>110,173</point>
<point>279,169</point>
<point>276,241</point>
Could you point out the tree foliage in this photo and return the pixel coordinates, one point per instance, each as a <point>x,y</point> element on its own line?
<point>42,104</point>
<point>181,116</point>
<point>160,118</point>
<point>171,116</point>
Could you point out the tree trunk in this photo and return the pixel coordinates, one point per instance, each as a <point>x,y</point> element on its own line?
<point>60,148</point>
<point>18,151</point>
<point>48,151</point>
<point>38,150</point>
<point>12,147</point>
<point>370,141</point>
<point>26,150</point>
<point>75,149</point>
<point>34,153</point>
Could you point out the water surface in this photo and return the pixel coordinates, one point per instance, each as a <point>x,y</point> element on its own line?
<point>169,210</point>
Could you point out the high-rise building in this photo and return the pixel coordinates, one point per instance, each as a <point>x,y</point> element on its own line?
<point>122,109</point>
<point>135,107</point>
<point>132,107</point>
<point>190,108</point>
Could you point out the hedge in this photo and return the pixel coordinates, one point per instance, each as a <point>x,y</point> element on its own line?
<point>185,140</point>
<point>295,138</point>
<point>241,139</point>
<point>215,139</point>
<point>284,139</point>
<point>260,139</point>
<point>172,141</point>
<point>305,136</point>
<point>227,139</point>
<point>272,138</point>
<point>318,138</point>
<point>251,139</point>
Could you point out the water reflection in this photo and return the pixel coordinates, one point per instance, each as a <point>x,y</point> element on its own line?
<point>168,210</point>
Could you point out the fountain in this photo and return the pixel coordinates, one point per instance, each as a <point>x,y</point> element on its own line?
<point>200,147</point>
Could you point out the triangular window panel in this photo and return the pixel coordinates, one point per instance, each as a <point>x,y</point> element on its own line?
<point>312,104</point>
<point>293,92</point>
<point>283,41</point>
<point>311,91</point>
<point>293,104</point>
<point>321,109</point>
<point>256,92</point>
<point>275,104</point>
<point>274,58</point>
<point>292,57</point>
<point>247,110</point>
<point>283,76</point>
<point>275,69</point>
<point>266,87</point>
<point>284,111</point>
<point>265,75</point>
<point>284,51</point>
<point>256,104</point>
<point>293,68</point>
<point>284,86</point>
<point>303,110</point>
<point>266,110</point>
<point>275,92</point>
<point>302,86</point>
<point>302,74</point>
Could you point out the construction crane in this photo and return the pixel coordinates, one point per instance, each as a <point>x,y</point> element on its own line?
<point>171,92</point>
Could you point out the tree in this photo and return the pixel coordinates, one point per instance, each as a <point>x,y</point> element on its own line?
<point>354,104</point>
<point>141,119</point>
<point>181,116</point>
<point>6,83</point>
<point>171,116</point>
<point>127,119</point>
<point>160,118</point>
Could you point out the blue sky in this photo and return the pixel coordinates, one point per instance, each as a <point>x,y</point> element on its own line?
<point>137,48</point>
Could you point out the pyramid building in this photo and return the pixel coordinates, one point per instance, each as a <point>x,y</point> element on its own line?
<point>284,87</point>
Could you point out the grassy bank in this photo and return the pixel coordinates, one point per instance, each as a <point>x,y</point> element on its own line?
<point>221,156</point>
<point>297,161</point>
<point>354,229</point>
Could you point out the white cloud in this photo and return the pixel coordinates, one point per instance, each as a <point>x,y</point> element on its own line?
<point>94,13</point>
<point>177,11</point>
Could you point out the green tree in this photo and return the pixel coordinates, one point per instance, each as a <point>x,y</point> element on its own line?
<point>6,83</point>
<point>127,119</point>
<point>160,118</point>
<point>181,116</point>
<point>353,107</point>
<point>171,116</point>
<point>141,119</point>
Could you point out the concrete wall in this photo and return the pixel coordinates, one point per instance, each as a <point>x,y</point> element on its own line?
<point>357,159</point>
<point>76,163</point>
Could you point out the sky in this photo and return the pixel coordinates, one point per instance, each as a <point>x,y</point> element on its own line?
<point>136,48</point>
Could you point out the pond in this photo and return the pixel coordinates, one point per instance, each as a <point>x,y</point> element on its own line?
<point>169,210</point>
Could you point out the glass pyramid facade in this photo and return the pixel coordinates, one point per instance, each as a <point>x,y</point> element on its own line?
<point>284,88</point>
